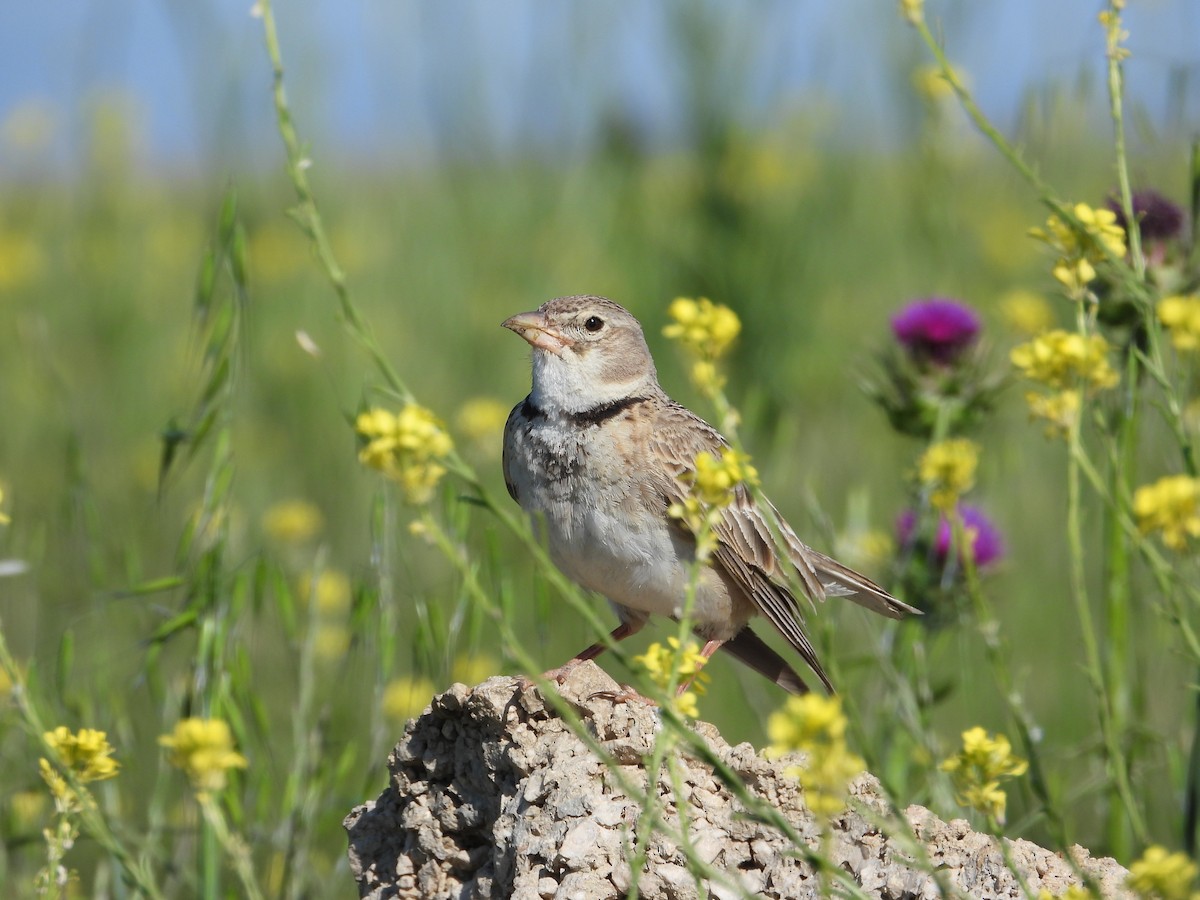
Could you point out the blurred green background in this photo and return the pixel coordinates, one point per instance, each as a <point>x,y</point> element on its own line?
<point>811,225</point>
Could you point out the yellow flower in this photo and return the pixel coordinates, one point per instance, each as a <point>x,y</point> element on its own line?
<point>979,767</point>
<point>706,330</point>
<point>1073,274</point>
<point>1171,506</point>
<point>1080,247</point>
<point>1065,359</point>
<point>1060,409</point>
<point>1181,317</point>
<point>407,447</point>
<point>913,11</point>
<point>333,592</point>
<point>674,664</point>
<point>482,418</point>
<point>292,521</point>
<point>816,726</point>
<point>1026,311</point>
<point>64,797</point>
<point>712,485</point>
<point>404,698</point>
<point>947,468</point>
<point>87,752</point>
<point>22,260</point>
<point>704,327</point>
<point>1162,875</point>
<point>715,478</point>
<point>1114,34</point>
<point>331,642</point>
<point>706,376</point>
<point>932,84</point>
<point>203,749</point>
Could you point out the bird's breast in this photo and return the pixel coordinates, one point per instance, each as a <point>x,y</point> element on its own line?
<point>604,524</point>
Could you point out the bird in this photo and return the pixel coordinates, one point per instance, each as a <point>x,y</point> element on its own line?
<point>597,454</point>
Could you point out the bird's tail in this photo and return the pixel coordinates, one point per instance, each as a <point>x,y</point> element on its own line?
<point>841,581</point>
<point>747,647</point>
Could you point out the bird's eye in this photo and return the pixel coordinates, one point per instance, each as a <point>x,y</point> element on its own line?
<point>593,324</point>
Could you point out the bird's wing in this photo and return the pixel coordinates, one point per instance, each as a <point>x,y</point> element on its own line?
<point>744,546</point>
<point>746,549</point>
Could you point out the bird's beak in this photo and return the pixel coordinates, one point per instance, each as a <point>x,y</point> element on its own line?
<point>535,328</point>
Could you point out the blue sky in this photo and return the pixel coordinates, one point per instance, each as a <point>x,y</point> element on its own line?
<point>395,78</point>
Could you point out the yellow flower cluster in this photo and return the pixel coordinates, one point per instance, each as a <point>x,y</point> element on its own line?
<point>406,697</point>
<point>979,767</point>
<point>87,753</point>
<point>328,594</point>
<point>711,486</point>
<point>292,521</point>
<point>1114,34</point>
<point>1026,311</point>
<point>1180,315</point>
<point>816,726</point>
<point>1060,410</point>
<point>1162,875</point>
<point>707,330</point>
<point>1079,248</point>
<point>1171,506</point>
<point>1065,362</point>
<point>679,665</point>
<point>203,749</point>
<point>947,468</point>
<point>407,447</point>
<point>1060,359</point>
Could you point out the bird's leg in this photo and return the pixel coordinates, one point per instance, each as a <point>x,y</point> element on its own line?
<point>622,631</point>
<point>710,647</point>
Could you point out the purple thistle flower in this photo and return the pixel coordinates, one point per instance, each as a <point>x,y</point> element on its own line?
<point>936,330</point>
<point>1158,218</point>
<point>986,540</point>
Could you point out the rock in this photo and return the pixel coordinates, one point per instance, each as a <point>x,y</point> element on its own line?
<point>492,795</point>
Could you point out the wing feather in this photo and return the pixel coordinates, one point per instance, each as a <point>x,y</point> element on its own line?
<point>746,549</point>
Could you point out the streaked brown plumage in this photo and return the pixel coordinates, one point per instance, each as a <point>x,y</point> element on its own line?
<point>594,455</point>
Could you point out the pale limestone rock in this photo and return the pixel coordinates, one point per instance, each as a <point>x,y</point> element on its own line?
<point>491,795</point>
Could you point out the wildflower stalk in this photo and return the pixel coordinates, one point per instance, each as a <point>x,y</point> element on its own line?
<point>1115,54</point>
<point>235,849</point>
<point>308,215</point>
<point>1117,572</point>
<point>1114,756</point>
<point>1136,287</point>
<point>1118,585</point>
<point>996,651</point>
<point>93,820</point>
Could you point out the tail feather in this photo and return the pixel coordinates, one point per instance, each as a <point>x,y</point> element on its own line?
<point>748,648</point>
<point>840,581</point>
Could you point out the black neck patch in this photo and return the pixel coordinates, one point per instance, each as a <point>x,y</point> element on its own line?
<point>594,416</point>
<point>605,411</point>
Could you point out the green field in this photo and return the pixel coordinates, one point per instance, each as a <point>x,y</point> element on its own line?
<point>146,594</point>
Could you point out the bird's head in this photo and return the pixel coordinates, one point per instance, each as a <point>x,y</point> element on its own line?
<point>586,351</point>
